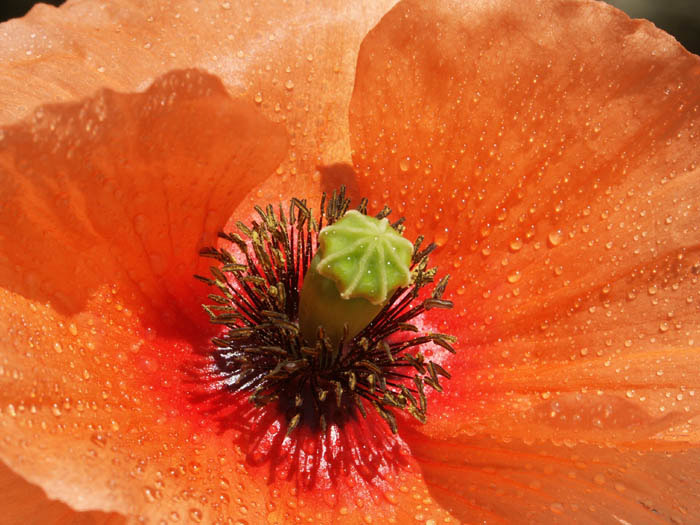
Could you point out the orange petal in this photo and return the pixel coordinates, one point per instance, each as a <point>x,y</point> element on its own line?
<point>481,479</point>
<point>295,59</point>
<point>105,204</point>
<point>23,502</point>
<point>126,189</point>
<point>107,424</point>
<point>551,149</point>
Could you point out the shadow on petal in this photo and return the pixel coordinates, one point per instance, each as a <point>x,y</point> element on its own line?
<point>23,502</point>
<point>126,188</point>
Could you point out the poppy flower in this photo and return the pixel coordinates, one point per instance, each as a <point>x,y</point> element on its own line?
<point>550,150</point>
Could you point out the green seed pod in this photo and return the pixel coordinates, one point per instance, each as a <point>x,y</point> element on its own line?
<point>361,261</point>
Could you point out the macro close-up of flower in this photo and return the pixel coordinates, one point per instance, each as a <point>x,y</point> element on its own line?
<point>168,353</point>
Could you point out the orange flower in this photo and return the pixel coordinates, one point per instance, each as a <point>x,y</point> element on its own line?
<point>550,148</point>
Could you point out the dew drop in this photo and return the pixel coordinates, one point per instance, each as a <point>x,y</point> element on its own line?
<point>149,494</point>
<point>258,98</point>
<point>99,440</point>
<point>289,85</point>
<point>556,508</point>
<point>196,515</point>
<point>516,244</point>
<point>514,277</point>
<point>442,236</point>
<point>404,164</point>
<point>555,238</point>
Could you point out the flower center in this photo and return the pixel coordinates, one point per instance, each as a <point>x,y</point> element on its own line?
<point>343,343</point>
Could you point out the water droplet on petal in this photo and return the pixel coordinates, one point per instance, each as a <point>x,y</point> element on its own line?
<point>99,439</point>
<point>149,494</point>
<point>196,515</point>
<point>555,238</point>
<point>556,508</point>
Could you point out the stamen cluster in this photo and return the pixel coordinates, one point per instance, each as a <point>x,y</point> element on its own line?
<point>260,350</point>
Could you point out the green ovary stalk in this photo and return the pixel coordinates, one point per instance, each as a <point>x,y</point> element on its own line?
<point>360,262</point>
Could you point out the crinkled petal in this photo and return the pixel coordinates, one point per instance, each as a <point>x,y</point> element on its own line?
<point>101,323</point>
<point>108,424</point>
<point>23,502</point>
<point>551,150</point>
<point>296,59</point>
<point>481,479</point>
<point>104,206</point>
<point>126,189</point>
